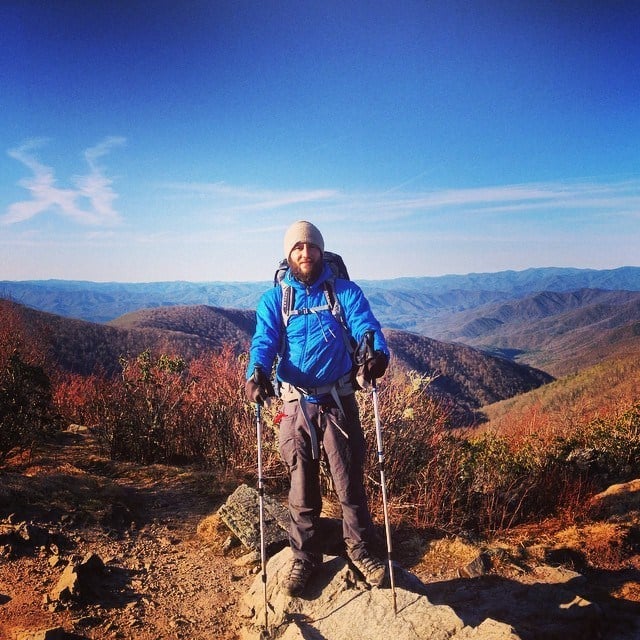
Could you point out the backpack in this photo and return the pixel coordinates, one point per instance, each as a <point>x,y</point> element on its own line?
<point>339,270</point>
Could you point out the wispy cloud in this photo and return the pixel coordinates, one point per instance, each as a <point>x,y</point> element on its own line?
<point>89,202</point>
<point>554,195</point>
<point>589,198</point>
<point>242,199</point>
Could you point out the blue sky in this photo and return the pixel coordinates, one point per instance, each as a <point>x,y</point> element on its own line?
<point>146,141</point>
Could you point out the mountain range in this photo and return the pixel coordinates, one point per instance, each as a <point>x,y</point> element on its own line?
<point>400,303</point>
<point>556,319</point>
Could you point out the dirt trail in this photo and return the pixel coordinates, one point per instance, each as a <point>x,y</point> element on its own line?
<point>164,580</point>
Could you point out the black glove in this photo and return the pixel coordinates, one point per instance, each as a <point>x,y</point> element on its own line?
<point>369,365</point>
<point>375,366</point>
<point>258,387</point>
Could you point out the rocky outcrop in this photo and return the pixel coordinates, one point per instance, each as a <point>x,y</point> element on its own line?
<point>617,500</point>
<point>337,604</point>
<point>240,514</point>
<point>537,600</point>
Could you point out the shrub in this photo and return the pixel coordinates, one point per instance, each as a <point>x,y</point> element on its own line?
<point>606,449</point>
<point>161,409</point>
<point>419,451</point>
<point>454,481</point>
<point>220,420</point>
<point>27,412</point>
<point>136,415</point>
<point>75,395</point>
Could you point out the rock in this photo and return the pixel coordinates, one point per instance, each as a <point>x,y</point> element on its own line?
<point>248,559</point>
<point>585,459</point>
<point>241,514</point>
<point>117,516</point>
<point>478,567</point>
<point>77,428</point>
<point>36,536</point>
<point>337,604</point>
<point>55,561</point>
<point>550,604</point>
<point>22,537</point>
<point>617,500</point>
<point>80,580</point>
<point>230,543</point>
<point>487,630</point>
<point>67,586</point>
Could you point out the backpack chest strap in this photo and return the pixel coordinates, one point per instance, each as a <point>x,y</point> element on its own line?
<point>306,311</point>
<point>288,303</point>
<point>332,304</point>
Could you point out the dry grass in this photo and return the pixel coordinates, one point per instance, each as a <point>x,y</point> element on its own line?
<point>445,556</point>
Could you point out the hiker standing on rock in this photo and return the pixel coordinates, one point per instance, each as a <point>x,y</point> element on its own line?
<point>311,322</point>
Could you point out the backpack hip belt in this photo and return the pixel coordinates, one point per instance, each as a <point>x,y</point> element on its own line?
<point>342,387</point>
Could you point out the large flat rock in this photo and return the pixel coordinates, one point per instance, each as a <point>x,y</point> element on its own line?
<point>337,605</point>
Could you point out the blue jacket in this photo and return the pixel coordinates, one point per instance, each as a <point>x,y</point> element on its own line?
<point>315,353</point>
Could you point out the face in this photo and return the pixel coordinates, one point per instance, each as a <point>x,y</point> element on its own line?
<point>305,261</point>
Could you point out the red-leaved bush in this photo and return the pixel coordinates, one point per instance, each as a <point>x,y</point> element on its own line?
<point>163,409</point>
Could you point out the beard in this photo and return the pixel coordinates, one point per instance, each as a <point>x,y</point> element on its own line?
<point>308,277</point>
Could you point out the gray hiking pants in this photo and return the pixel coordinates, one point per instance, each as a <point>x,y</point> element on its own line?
<point>342,443</point>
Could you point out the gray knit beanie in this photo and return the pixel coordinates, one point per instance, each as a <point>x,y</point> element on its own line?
<point>302,231</point>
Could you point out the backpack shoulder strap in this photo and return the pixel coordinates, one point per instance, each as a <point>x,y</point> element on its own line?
<point>288,293</point>
<point>336,310</point>
<point>288,300</point>
<point>332,300</point>
<point>287,305</point>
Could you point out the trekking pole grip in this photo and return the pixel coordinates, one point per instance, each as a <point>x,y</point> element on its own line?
<point>369,340</point>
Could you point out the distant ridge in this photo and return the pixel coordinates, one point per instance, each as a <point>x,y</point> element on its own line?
<point>466,378</point>
<point>525,281</point>
<point>85,347</point>
<point>104,301</point>
<point>555,319</point>
<point>399,303</point>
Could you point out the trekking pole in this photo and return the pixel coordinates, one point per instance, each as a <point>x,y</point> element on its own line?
<point>387,527</point>
<point>263,553</point>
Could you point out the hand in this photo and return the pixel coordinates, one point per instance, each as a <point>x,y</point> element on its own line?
<point>258,387</point>
<point>375,366</point>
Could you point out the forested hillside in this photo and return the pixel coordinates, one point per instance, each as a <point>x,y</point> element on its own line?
<point>558,332</point>
<point>465,379</point>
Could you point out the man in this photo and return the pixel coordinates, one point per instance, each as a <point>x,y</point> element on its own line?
<point>320,411</point>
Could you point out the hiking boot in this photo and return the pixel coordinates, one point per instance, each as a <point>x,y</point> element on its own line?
<point>372,569</point>
<point>299,575</point>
